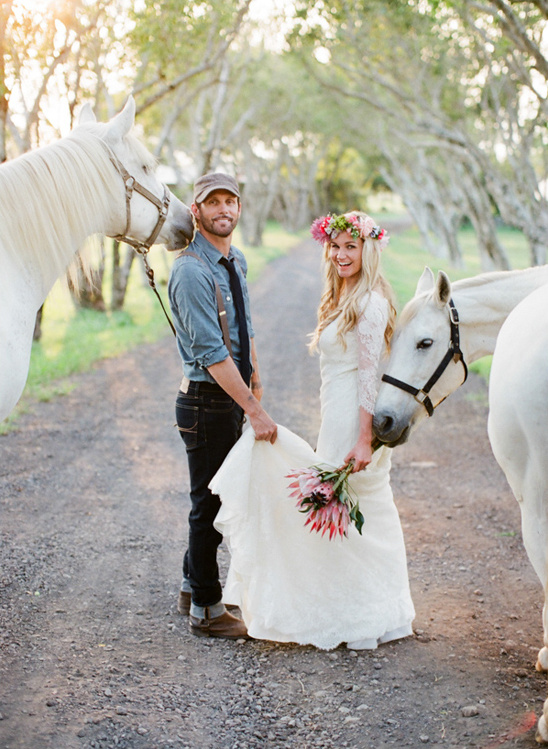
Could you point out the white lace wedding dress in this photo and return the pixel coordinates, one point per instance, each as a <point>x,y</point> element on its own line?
<point>296,586</point>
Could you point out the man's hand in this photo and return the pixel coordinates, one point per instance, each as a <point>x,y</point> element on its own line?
<point>263,426</point>
<point>227,375</point>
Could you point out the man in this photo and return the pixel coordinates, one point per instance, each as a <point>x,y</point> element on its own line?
<point>221,383</point>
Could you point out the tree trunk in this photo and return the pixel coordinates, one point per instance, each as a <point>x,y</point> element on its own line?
<point>121,268</point>
<point>37,335</point>
<point>480,211</point>
<point>260,188</point>
<point>538,250</point>
<point>88,291</point>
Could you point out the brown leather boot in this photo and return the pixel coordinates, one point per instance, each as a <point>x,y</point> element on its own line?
<point>226,626</point>
<point>183,604</point>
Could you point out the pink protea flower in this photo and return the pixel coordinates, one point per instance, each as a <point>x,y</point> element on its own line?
<point>324,492</point>
<point>333,517</point>
<point>306,481</point>
<point>323,495</point>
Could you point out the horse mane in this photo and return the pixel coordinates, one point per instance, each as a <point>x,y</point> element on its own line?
<point>67,191</point>
<point>416,303</point>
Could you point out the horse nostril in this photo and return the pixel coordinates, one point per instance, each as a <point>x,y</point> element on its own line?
<point>383,425</point>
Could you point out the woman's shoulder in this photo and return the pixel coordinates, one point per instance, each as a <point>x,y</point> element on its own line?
<point>375,297</point>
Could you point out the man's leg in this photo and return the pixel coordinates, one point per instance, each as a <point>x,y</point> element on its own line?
<point>209,424</point>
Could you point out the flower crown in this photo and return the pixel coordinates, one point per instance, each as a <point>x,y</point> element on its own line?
<point>328,227</point>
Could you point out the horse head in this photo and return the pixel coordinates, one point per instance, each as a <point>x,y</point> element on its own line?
<point>419,346</point>
<point>147,212</point>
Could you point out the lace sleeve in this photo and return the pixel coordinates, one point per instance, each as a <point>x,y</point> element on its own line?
<point>371,327</point>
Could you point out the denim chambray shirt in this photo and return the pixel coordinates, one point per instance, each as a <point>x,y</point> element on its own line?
<point>193,304</point>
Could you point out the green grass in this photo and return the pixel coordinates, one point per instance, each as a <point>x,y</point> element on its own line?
<point>73,340</point>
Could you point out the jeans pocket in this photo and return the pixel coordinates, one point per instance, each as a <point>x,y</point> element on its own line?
<point>188,420</point>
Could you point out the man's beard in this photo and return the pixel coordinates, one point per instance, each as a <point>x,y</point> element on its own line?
<point>211,225</point>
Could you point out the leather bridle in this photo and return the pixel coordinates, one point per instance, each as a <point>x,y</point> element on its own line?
<point>453,353</point>
<point>132,185</point>
<point>142,248</point>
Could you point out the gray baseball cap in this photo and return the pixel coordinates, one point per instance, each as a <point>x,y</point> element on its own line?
<point>215,181</point>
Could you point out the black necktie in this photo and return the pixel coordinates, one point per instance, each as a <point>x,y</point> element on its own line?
<point>238,296</point>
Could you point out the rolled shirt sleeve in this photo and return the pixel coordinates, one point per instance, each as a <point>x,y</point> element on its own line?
<point>195,316</point>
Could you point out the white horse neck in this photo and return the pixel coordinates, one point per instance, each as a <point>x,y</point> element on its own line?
<point>484,302</point>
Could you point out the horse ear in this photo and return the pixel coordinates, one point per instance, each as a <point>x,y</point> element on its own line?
<point>123,122</point>
<point>86,115</point>
<point>426,281</point>
<point>442,292</point>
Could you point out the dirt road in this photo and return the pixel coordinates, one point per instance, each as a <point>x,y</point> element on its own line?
<point>93,505</point>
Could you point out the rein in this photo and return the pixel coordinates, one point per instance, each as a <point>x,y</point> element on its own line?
<point>453,353</point>
<point>142,248</point>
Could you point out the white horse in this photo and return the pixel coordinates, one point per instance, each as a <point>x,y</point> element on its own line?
<point>99,179</point>
<point>443,327</point>
<point>518,431</point>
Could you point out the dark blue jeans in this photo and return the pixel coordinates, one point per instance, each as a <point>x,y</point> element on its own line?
<point>210,423</point>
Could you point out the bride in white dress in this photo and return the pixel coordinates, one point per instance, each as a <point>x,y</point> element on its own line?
<point>293,585</point>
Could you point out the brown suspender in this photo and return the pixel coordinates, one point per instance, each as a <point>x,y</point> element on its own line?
<point>220,303</point>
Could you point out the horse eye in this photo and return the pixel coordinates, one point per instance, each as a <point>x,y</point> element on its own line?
<point>425,343</point>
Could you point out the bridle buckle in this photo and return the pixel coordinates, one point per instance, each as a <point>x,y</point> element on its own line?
<point>421,396</point>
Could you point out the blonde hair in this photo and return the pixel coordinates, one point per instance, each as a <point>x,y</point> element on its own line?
<point>350,306</point>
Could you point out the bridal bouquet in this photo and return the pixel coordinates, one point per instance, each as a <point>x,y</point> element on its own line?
<point>323,494</point>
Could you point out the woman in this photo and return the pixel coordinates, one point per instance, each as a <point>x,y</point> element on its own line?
<point>293,585</point>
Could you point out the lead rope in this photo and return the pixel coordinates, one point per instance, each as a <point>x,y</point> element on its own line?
<point>143,252</point>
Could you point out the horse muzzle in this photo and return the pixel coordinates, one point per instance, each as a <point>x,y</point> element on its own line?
<point>180,226</point>
<point>390,430</point>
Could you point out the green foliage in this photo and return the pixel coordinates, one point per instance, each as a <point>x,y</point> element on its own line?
<point>172,35</point>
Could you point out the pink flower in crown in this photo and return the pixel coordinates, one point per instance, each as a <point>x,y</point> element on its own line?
<point>366,226</point>
<point>319,229</point>
<point>383,239</point>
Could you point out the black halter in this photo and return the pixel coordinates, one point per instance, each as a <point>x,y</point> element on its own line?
<point>453,353</point>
